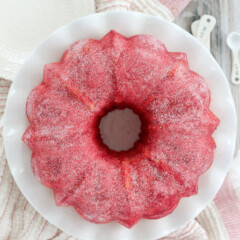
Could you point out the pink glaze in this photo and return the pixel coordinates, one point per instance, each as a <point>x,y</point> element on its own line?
<point>175,146</point>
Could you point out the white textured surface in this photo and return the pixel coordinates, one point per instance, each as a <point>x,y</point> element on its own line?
<point>95,26</point>
<point>24,25</point>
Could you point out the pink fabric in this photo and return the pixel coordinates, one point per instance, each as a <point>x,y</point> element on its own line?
<point>175,6</point>
<point>228,206</point>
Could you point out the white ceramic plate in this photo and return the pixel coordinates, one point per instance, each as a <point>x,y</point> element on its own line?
<point>96,26</point>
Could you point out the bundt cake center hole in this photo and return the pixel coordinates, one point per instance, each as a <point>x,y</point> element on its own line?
<point>120,129</point>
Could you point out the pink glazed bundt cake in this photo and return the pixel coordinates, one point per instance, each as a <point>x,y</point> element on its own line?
<point>174,148</point>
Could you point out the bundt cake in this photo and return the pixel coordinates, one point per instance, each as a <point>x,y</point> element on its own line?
<point>175,144</point>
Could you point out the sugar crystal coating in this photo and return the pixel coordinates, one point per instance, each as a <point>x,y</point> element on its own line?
<point>94,76</point>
